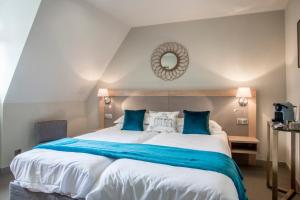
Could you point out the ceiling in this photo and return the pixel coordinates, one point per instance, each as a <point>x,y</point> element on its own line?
<point>150,12</point>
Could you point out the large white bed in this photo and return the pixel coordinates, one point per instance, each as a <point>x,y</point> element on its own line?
<point>81,175</point>
<point>127,179</point>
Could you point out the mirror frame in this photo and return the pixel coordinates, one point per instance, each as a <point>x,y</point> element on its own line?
<point>182,61</point>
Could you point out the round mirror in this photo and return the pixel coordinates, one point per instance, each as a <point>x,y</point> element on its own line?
<point>168,61</point>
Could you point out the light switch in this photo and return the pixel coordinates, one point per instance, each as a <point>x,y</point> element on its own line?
<point>108,116</point>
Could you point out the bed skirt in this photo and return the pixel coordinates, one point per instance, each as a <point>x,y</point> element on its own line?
<point>16,192</point>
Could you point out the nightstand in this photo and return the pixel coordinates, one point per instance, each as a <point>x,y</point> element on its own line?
<point>245,145</point>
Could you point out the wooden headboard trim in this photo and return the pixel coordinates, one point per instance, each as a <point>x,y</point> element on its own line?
<point>211,93</point>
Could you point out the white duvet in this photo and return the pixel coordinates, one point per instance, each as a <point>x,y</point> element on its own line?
<point>137,180</point>
<point>67,173</point>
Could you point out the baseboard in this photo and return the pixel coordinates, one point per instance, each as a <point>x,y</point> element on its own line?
<point>4,170</point>
<point>262,163</point>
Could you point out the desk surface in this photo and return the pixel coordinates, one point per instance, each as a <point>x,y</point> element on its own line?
<point>243,139</point>
<point>283,129</point>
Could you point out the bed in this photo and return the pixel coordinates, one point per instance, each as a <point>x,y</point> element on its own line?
<point>67,173</point>
<point>127,179</point>
<point>49,174</point>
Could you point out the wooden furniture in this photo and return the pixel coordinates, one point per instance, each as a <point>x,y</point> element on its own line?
<point>289,193</point>
<point>244,145</point>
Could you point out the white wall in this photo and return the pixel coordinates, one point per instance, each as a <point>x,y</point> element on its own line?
<point>20,118</point>
<point>16,18</point>
<point>224,52</point>
<point>69,46</point>
<point>292,15</point>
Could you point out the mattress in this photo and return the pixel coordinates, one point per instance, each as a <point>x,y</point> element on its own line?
<point>68,173</point>
<point>137,180</point>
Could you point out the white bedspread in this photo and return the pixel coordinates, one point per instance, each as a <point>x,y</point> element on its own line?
<point>137,180</point>
<point>71,174</point>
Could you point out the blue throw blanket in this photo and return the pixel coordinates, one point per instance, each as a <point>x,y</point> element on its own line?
<point>181,157</point>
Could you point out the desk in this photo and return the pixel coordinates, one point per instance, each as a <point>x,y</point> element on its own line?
<point>289,193</point>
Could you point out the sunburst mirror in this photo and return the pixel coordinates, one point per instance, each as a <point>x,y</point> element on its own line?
<point>169,61</point>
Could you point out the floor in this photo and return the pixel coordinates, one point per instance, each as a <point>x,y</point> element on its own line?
<point>254,179</point>
<point>255,182</point>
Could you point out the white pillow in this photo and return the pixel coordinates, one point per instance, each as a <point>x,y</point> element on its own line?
<point>213,126</point>
<point>162,122</point>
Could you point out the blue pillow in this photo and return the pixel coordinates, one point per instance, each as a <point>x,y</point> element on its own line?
<point>196,122</point>
<point>134,120</point>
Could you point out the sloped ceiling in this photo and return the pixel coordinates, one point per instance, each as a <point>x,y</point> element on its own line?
<point>69,46</point>
<point>16,18</point>
<point>150,12</point>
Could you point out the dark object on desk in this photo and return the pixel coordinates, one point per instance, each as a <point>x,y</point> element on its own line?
<point>284,112</point>
<point>50,130</point>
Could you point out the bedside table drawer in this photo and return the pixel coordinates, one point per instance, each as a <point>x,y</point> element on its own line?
<point>243,147</point>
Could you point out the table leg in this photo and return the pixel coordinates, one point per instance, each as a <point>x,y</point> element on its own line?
<point>275,166</point>
<point>268,163</point>
<point>293,157</point>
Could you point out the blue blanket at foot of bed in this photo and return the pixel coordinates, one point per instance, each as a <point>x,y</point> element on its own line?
<point>180,157</point>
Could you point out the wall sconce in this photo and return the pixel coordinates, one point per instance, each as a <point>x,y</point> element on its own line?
<point>103,92</point>
<point>243,93</point>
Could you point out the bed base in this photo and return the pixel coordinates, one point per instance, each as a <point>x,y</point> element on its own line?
<point>16,192</point>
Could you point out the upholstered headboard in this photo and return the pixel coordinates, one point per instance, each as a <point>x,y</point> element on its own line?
<point>222,104</point>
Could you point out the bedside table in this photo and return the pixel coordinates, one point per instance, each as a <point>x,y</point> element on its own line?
<point>244,145</point>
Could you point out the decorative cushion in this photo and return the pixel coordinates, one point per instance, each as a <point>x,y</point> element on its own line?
<point>162,122</point>
<point>134,120</point>
<point>196,122</point>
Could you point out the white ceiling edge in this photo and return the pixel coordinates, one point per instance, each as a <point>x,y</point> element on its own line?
<point>214,17</point>
<point>138,13</point>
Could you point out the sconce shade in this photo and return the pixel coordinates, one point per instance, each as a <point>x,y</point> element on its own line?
<point>103,92</point>
<point>244,92</point>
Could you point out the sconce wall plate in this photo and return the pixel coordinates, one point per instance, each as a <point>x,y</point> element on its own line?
<point>107,100</point>
<point>243,101</point>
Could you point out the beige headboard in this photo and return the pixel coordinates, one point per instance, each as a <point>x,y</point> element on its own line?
<point>222,104</point>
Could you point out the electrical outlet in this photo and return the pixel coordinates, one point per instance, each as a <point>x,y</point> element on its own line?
<point>18,151</point>
<point>108,116</point>
<point>242,121</point>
